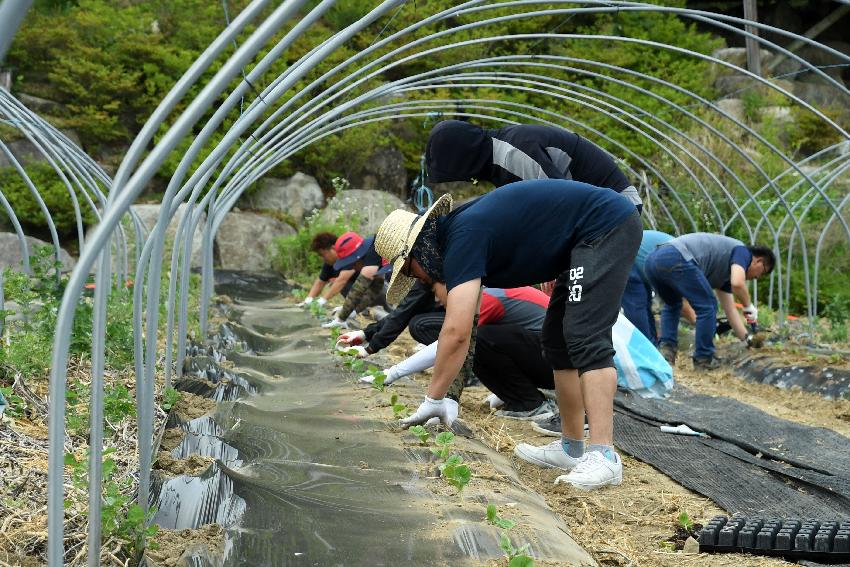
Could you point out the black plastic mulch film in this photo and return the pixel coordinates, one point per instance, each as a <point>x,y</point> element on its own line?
<point>752,465</point>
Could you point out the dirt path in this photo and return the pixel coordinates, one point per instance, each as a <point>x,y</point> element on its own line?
<point>629,524</point>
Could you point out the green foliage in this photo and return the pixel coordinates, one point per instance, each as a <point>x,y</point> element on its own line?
<point>444,442</point>
<point>378,377</point>
<point>399,409</point>
<point>517,557</point>
<point>120,517</point>
<point>16,406</point>
<point>495,519</point>
<point>686,522</point>
<point>53,191</point>
<point>421,433</point>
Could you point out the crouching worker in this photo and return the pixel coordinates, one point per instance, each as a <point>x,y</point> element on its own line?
<point>508,359</point>
<point>522,234</point>
<point>692,266</point>
<point>340,280</point>
<point>358,254</point>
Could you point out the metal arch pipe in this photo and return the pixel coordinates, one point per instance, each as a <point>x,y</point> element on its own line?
<point>65,317</point>
<point>51,227</point>
<point>819,245</point>
<point>12,13</point>
<point>705,17</point>
<point>22,239</point>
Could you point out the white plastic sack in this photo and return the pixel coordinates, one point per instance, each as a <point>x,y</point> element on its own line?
<point>640,367</point>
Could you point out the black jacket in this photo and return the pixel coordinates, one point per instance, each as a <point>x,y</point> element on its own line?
<point>460,151</point>
<point>420,299</point>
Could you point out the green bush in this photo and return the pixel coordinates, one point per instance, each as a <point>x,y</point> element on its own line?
<point>53,191</point>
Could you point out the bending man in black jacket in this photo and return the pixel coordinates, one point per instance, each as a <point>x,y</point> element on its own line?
<point>461,151</point>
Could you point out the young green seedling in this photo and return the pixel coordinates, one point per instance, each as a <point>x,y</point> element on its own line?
<point>421,433</point>
<point>516,557</point>
<point>378,377</point>
<point>335,333</point>
<point>398,409</point>
<point>444,444</point>
<point>495,519</point>
<point>456,474</point>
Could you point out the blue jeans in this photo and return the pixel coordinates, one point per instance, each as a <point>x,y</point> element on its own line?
<point>673,278</point>
<point>637,305</point>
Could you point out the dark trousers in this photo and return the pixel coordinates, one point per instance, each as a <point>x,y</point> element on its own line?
<point>509,361</point>
<point>637,305</point>
<point>425,327</point>
<point>675,278</point>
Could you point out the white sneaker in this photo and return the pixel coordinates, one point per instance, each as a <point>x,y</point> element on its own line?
<point>493,401</point>
<point>550,456</point>
<point>594,471</point>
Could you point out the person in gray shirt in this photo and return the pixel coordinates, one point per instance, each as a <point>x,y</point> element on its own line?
<point>691,267</point>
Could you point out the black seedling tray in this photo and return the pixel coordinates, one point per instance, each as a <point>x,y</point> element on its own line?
<point>823,541</point>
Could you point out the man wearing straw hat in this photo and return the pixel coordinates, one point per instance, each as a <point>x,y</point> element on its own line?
<point>524,233</point>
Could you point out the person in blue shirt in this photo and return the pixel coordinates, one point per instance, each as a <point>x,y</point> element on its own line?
<point>692,266</point>
<point>524,233</point>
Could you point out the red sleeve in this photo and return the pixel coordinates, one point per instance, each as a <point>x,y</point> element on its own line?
<point>492,310</point>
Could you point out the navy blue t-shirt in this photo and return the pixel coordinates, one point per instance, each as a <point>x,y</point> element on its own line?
<point>327,273</point>
<point>522,233</point>
<point>742,256</point>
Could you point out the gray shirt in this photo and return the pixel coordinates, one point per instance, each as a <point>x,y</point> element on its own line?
<point>711,252</point>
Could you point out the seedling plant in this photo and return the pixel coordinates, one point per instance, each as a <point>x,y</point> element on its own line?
<point>517,557</point>
<point>420,432</point>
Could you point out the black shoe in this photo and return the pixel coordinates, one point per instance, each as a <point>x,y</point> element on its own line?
<point>707,363</point>
<point>552,426</point>
<point>668,351</point>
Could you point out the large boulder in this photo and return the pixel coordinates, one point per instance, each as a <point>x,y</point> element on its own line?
<point>148,215</point>
<point>27,154</point>
<point>361,209</point>
<point>384,171</point>
<point>244,241</point>
<point>10,252</point>
<point>297,196</point>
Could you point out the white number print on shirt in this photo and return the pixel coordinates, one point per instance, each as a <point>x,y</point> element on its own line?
<point>576,274</point>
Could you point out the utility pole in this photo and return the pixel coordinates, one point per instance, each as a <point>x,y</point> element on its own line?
<point>753,55</point>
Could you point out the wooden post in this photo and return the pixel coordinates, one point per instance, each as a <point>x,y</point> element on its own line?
<point>753,55</point>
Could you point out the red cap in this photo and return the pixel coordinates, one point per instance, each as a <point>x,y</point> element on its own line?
<point>347,244</point>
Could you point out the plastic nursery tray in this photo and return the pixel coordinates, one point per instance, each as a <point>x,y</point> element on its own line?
<point>817,540</point>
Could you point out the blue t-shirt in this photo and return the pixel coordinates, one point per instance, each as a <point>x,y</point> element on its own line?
<point>522,233</point>
<point>649,242</point>
<point>742,256</point>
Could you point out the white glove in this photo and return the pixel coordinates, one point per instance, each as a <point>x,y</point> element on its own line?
<point>446,410</point>
<point>751,314</point>
<point>335,323</point>
<point>307,301</point>
<point>352,338</point>
<point>493,401</point>
<point>359,351</point>
<point>391,376</point>
<point>321,301</point>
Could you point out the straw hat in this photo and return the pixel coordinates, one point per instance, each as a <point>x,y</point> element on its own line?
<point>395,239</point>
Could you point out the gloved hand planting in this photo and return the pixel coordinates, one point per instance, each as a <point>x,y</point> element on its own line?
<point>335,322</point>
<point>445,410</point>
<point>350,339</point>
<point>355,350</point>
<point>391,376</point>
<point>751,314</point>
<point>306,303</point>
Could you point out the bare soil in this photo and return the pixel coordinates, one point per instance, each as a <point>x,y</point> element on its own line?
<point>169,545</point>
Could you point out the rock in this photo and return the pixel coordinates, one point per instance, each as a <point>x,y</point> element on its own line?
<point>384,170</point>
<point>737,55</point>
<point>26,153</point>
<point>149,214</point>
<point>10,252</point>
<point>691,546</point>
<point>820,95</point>
<point>733,106</point>
<point>367,206</point>
<point>297,196</point>
<point>244,241</point>
<point>39,105</point>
